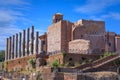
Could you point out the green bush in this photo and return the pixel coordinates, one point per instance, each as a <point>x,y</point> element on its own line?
<point>2,55</point>
<point>106,54</point>
<point>32,62</point>
<point>39,76</point>
<point>63,65</point>
<point>64,53</point>
<point>12,71</point>
<point>90,60</point>
<point>117,63</point>
<point>2,65</point>
<point>55,64</point>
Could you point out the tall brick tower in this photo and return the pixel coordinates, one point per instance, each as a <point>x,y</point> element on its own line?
<point>57,17</point>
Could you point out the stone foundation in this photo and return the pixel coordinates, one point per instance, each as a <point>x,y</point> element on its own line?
<point>18,64</point>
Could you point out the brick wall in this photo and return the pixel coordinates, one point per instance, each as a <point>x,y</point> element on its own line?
<point>18,64</point>
<point>117,43</point>
<point>66,34</point>
<point>83,27</point>
<point>54,57</point>
<point>54,37</point>
<point>97,43</point>
<point>111,42</point>
<point>92,31</point>
<point>78,58</point>
<point>91,23</point>
<point>59,34</point>
<point>79,45</point>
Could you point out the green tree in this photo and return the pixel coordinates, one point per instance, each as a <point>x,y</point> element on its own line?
<point>2,65</point>
<point>2,55</point>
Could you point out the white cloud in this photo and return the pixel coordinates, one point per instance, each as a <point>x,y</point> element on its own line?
<point>5,33</point>
<point>9,16</point>
<point>111,15</point>
<point>13,2</point>
<point>93,6</point>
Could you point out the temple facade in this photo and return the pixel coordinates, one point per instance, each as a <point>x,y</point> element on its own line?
<point>81,37</point>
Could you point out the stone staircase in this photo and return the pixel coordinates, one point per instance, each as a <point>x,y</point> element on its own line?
<point>101,62</point>
<point>98,63</point>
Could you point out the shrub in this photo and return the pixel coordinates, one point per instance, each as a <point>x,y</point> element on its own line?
<point>77,63</point>
<point>39,76</point>
<point>64,53</point>
<point>32,62</point>
<point>90,60</point>
<point>66,64</point>
<point>55,64</point>
<point>106,54</point>
<point>117,63</point>
<point>2,65</point>
<point>63,65</point>
<point>12,71</point>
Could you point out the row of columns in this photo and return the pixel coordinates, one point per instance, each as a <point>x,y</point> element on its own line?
<point>22,44</point>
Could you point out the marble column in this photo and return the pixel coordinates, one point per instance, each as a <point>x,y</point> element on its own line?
<point>13,39</point>
<point>6,52</point>
<point>28,38</point>
<point>36,42</point>
<point>16,46</point>
<point>39,45</point>
<point>32,40</point>
<point>10,48</point>
<point>19,53</point>
<point>23,43</point>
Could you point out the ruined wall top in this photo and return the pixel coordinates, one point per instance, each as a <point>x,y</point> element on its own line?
<point>86,22</point>
<point>57,17</point>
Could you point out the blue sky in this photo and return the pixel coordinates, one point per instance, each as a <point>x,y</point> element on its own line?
<point>16,15</point>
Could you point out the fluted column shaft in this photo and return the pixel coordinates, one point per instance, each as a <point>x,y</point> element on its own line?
<point>36,43</point>
<point>32,40</point>
<point>28,38</point>
<point>23,44</point>
<point>19,53</point>
<point>13,39</point>
<point>10,49</point>
<point>6,52</point>
<point>16,50</point>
